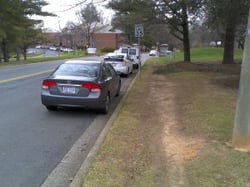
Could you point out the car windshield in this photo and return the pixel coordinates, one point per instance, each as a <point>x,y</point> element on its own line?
<point>84,70</point>
<point>114,58</point>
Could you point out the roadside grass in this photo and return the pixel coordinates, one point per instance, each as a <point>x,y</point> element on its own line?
<point>203,55</point>
<point>208,109</point>
<point>40,58</point>
<point>205,96</point>
<point>212,54</point>
<point>127,158</point>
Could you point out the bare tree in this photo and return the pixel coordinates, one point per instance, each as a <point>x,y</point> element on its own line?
<point>88,17</point>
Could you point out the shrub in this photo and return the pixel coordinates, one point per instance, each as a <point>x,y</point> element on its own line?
<point>107,49</point>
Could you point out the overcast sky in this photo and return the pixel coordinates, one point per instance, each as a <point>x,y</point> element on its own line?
<point>64,11</point>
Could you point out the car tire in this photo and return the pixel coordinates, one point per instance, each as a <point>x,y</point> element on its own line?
<point>118,89</point>
<point>127,74</point>
<point>51,108</point>
<point>105,108</point>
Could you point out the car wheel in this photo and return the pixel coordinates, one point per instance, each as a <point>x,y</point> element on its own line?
<point>51,108</point>
<point>118,89</point>
<point>105,108</point>
<point>131,70</point>
<point>127,74</point>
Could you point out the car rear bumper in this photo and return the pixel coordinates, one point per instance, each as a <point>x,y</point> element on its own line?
<point>70,101</point>
<point>122,70</point>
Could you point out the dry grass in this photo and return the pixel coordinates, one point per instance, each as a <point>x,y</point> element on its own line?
<point>172,131</point>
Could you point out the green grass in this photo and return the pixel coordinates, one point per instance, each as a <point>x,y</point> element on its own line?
<point>207,106</point>
<point>211,54</point>
<point>205,95</point>
<point>204,54</point>
<point>40,58</point>
<point>214,117</point>
<point>219,166</point>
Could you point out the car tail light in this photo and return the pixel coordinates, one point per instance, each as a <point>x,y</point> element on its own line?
<point>124,63</point>
<point>92,87</point>
<point>48,84</point>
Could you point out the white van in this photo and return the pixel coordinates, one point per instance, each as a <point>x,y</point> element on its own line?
<point>123,50</point>
<point>134,53</point>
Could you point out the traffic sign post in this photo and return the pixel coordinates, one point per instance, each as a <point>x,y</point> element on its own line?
<point>139,32</point>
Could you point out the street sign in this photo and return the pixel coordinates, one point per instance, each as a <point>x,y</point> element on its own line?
<point>139,31</point>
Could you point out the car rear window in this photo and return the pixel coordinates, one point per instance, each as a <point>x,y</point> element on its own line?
<point>132,51</point>
<point>114,58</point>
<point>124,50</point>
<point>84,70</point>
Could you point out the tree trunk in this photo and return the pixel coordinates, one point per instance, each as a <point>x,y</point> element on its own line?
<point>1,57</point>
<point>25,53</point>
<point>228,57</point>
<point>186,43</point>
<point>17,54</point>
<point>5,50</point>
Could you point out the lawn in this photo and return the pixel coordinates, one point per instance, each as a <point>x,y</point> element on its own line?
<point>39,58</point>
<point>207,54</point>
<point>178,131</point>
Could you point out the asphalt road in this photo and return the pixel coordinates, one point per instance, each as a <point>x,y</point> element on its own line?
<point>33,140</point>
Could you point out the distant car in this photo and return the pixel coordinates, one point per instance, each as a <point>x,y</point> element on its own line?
<point>78,83</point>
<point>121,63</point>
<point>31,51</point>
<point>63,49</point>
<point>153,53</point>
<point>52,48</point>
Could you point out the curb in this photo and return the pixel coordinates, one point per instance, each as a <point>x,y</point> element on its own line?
<point>79,177</point>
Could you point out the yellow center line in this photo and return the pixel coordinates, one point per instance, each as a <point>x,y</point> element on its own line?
<point>25,76</point>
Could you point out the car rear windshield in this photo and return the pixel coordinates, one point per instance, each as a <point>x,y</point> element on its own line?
<point>84,70</point>
<point>114,58</point>
<point>124,50</point>
<point>132,51</point>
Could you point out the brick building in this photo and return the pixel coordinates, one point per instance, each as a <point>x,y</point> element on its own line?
<point>103,37</point>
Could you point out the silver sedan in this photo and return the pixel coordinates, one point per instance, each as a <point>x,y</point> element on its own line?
<point>121,63</point>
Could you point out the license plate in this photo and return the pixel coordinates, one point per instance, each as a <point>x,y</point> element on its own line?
<point>69,90</point>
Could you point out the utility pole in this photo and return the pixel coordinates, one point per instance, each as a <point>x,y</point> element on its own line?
<point>241,133</point>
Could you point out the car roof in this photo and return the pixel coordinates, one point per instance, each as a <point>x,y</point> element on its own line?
<point>82,62</point>
<point>116,54</point>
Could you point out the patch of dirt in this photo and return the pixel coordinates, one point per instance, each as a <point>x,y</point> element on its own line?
<point>162,128</point>
<point>167,100</point>
<point>150,144</point>
<point>178,148</point>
